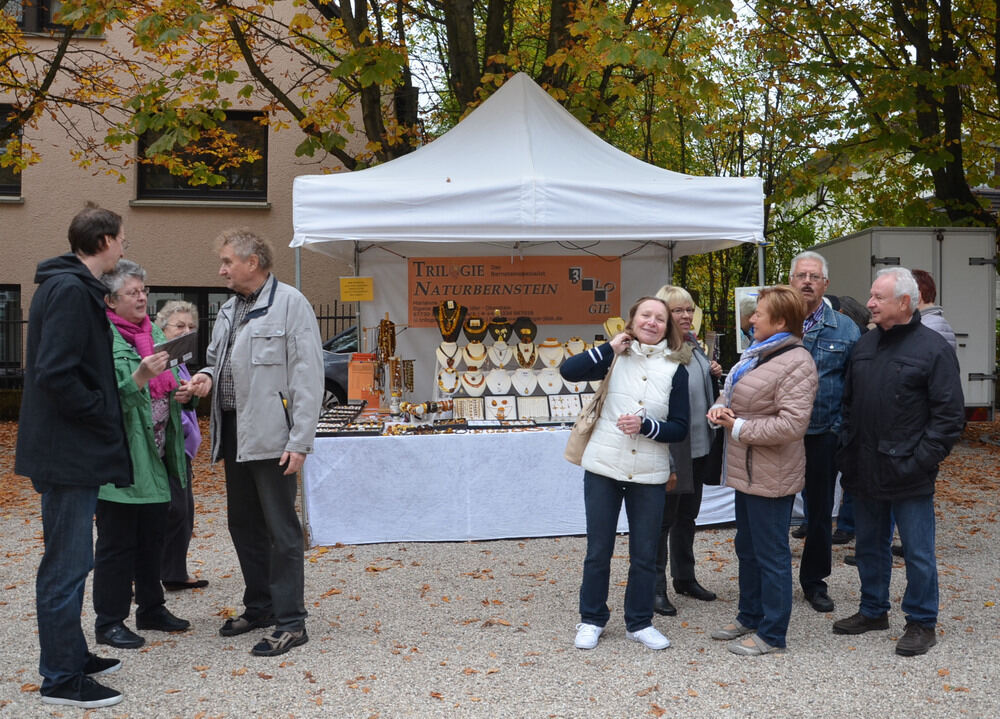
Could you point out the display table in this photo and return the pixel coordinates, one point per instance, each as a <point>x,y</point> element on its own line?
<point>453,487</point>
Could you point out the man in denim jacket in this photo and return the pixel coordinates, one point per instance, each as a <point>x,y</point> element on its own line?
<point>829,336</point>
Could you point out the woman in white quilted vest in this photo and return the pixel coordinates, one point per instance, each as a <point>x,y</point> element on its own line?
<point>765,408</point>
<point>627,458</point>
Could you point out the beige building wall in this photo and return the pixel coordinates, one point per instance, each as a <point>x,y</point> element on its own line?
<point>173,240</point>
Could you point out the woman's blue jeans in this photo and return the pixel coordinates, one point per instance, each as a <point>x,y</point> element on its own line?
<point>644,508</point>
<point>765,564</point>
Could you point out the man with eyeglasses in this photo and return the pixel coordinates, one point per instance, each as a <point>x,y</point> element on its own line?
<point>829,336</point>
<point>70,441</point>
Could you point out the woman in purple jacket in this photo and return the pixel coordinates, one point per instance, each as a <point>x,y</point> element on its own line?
<point>176,318</point>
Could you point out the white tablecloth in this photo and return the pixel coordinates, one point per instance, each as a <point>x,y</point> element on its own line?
<point>457,487</point>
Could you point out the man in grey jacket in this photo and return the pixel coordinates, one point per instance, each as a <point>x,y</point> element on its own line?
<point>266,364</point>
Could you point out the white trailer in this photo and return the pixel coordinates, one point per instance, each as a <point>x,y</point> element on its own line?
<point>963,264</point>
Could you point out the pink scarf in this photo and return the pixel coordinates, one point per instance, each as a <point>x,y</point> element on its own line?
<point>141,337</point>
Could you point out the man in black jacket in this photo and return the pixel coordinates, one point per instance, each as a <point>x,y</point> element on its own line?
<point>903,410</point>
<point>70,441</point>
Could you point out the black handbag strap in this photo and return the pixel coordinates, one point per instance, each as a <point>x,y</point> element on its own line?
<point>774,354</point>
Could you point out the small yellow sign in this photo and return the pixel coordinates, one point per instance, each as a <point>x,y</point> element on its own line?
<point>357,289</point>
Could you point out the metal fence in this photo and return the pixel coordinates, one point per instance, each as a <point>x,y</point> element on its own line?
<point>332,319</point>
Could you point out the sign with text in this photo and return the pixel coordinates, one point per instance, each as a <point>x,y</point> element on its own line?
<point>357,289</point>
<point>555,290</point>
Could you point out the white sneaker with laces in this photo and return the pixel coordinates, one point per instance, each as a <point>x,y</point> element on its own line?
<point>650,637</point>
<point>587,635</point>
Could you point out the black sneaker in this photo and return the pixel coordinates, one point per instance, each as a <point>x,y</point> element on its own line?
<point>859,624</point>
<point>917,639</point>
<point>800,531</point>
<point>96,666</point>
<point>82,692</point>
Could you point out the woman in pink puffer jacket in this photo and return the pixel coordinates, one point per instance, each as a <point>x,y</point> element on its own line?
<point>765,409</point>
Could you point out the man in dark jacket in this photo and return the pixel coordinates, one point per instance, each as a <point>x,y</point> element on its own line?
<point>903,411</point>
<point>70,441</point>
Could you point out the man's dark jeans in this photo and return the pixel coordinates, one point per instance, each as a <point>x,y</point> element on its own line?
<point>821,479</point>
<point>68,526</point>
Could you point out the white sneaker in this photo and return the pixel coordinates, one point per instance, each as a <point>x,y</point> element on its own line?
<point>587,636</point>
<point>650,637</point>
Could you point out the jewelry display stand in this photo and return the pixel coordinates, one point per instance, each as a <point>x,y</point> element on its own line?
<point>498,381</point>
<point>550,381</point>
<point>500,354</point>
<point>550,352</point>
<point>474,374</point>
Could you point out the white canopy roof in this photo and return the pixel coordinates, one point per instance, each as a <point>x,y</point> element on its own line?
<point>520,168</point>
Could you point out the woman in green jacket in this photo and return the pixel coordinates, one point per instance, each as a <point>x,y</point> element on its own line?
<point>131,521</point>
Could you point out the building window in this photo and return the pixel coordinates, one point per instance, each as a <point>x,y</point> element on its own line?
<point>10,181</point>
<point>33,15</point>
<point>246,181</point>
<point>11,336</point>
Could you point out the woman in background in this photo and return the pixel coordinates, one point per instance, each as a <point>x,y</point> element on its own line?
<point>177,318</point>
<point>690,462</point>
<point>765,408</point>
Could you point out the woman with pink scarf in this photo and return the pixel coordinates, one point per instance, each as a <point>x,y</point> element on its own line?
<point>131,521</point>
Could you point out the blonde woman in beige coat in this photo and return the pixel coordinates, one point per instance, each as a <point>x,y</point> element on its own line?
<point>765,409</point>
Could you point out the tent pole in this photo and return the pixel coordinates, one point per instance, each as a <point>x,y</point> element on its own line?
<point>760,264</point>
<point>670,264</point>
<point>298,268</point>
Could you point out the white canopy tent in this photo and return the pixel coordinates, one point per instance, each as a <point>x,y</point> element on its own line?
<point>521,169</point>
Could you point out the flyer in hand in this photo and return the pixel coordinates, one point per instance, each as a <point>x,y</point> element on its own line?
<point>181,349</point>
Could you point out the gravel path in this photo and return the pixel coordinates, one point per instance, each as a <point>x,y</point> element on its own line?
<point>485,629</point>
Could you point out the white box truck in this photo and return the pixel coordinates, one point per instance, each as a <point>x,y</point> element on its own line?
<point>963,264</point>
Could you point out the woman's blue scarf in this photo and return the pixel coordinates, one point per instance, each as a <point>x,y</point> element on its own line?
<point>749,360</point>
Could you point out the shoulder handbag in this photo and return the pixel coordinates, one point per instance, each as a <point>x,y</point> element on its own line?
<point>579,435</point>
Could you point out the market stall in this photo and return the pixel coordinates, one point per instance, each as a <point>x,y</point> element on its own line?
<point>518,226</point>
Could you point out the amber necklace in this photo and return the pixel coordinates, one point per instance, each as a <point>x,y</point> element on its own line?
<point>448,319</point>
<point>529,361</point>
<point>449,359</point>
<point>472,360</point>
<point>453,380</point>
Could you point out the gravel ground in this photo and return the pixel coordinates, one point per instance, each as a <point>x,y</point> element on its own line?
<point>485,629</point>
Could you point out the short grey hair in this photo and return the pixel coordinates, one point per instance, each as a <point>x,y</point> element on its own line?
<point>246,243</point>
<point>124,269</point>
<point>172,308</point>
<point>808,255</point>
<point>905,284</point>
